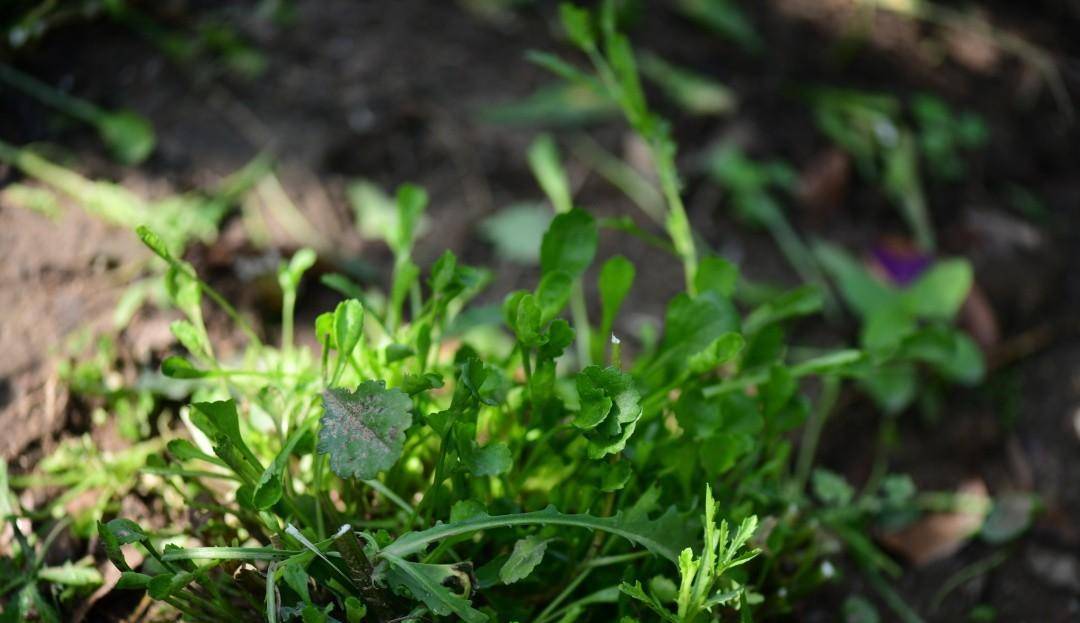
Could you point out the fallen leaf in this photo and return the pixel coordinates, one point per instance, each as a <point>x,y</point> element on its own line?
<point>977,317</point>
<point>823,183</point>
<point>940,535</point>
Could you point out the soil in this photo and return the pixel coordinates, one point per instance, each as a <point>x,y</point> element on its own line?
<point>390,91</point>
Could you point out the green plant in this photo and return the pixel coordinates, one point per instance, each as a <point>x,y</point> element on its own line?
<point>943,134</point>
<point>30,588</point>
<point>428,460</point>
<point>751,185</point>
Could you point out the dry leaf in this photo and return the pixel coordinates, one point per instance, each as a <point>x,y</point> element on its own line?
<point>940,535</point>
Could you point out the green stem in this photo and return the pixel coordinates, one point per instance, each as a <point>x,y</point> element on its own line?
<point>830,390</point>
<point>580,315</point>
<point>78,108</point>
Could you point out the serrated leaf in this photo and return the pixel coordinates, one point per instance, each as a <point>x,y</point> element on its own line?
<point>364,431</point>
<point>664,536</point>
<point>610,408</point>
<point>527,554</point>
<point>431,585</point>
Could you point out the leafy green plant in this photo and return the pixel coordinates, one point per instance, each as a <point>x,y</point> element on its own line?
<point>751,185</point>
<point>30,588</point>
<point>905,326</point>
<point>870,127</point>
<point>944,134</point>
<point>429,459</point>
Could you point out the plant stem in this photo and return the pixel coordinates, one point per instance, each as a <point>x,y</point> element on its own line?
<point>830,390</point>
<point>582,330</point>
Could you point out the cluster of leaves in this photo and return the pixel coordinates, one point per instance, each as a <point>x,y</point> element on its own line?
<point>434,457</point>
<point>417,465</point>
<point>887,149</point>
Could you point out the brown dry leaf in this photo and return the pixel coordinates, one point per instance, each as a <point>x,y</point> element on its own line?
<point>940,535</point>
<point>823,183</point>
<point>977,317</point>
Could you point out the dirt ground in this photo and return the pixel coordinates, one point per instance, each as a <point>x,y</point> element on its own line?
<point>391,92</point>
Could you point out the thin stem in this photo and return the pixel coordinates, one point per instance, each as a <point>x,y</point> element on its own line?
<point>830,390</point>
<point>580,315</point>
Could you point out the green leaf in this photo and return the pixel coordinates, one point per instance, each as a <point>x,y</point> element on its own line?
<point>176,367</point>
<point>610,408</point>
<point>801,301</point>
<point>547,168</point>
<point>431,584</point>
<point>552,294</point>
<point>570,243</point>
<point>192,338</point>
<point>71,575</point>
<point>939,292</point>
<point>577,22</point>
<point>348,327</point>
<point>893,387</point>
<point>517,231</point>
<point>831,488</point>
<point>693,324</point>
<point>154,243</point>
<point>131,580</point>
<point>490,460</point>
<point>885,329</point>
<point>269,488</point>
<point>616,278</point>
<point>184,450</point>
<point>297,579</point>
<point>527,323</point>
<point>722,350</point>
<point>364,431</point>
<point>664,536</point>
<point>693,92</point>
<point>573,104</point>
<point>863,292</point>
<point>221,423</point>
<point>125,531</point>
<point>616,476</point>
<point>636,591</point>
<point>110,542</point>
<point>725,18</point>
<point>527,554</point>
<point>716,274</point>
<point>411,201</point>
<point>289,274</point>
<point>355,610</point>
<point>130,137</point>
